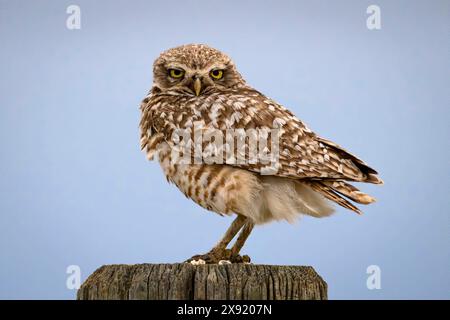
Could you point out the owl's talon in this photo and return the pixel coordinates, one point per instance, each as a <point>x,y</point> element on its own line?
<point>197,262</point>
<point>207,258</point>
<point>216,256</point>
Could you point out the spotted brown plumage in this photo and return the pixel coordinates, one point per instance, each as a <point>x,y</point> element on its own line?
<point>309,170</point>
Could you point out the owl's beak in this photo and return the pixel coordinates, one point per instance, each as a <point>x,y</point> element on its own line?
<point>197,86</point>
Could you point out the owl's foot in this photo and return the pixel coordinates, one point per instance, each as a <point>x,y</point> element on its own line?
<point>217,255</point>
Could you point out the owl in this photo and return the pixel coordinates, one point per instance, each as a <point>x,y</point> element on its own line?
<point>201,109</point>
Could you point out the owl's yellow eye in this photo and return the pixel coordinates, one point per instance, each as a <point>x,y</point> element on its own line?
<point>216,74</point>
<point>176,73</point>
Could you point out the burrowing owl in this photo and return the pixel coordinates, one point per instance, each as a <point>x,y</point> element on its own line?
<point>197,89</point>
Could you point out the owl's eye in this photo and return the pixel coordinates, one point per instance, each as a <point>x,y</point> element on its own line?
<point>176,73</point>
<point>216,74</point>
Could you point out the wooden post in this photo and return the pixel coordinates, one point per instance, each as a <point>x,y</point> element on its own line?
<point>203,282</point>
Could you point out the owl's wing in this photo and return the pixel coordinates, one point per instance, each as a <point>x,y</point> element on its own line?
<point>300,153</point>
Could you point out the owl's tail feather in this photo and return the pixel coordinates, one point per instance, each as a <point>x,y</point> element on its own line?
<point>331,193</point>
<point>373,178</point>
<point>349,191</point>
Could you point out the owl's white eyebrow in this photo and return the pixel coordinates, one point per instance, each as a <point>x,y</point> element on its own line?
<point>176,66</point>
<point>217,66</point>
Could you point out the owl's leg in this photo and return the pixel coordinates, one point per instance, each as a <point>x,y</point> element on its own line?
<point>231,232</point>
<point>220,251</point>
<point>243,235</point>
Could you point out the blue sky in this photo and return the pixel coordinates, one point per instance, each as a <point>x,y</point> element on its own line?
<point>76,190</point>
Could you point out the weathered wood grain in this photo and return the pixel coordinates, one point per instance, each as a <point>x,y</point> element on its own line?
<point>203,282</point>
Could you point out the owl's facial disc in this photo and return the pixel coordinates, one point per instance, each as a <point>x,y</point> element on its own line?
<point>195,70</point>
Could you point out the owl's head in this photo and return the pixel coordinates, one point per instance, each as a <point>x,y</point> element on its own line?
<point>193,70</point>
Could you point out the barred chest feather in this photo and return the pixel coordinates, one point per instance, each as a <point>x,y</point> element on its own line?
<point>218,188</point>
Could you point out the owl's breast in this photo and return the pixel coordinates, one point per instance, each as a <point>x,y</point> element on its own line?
<point>219,188</point>
<point>187,177</point>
